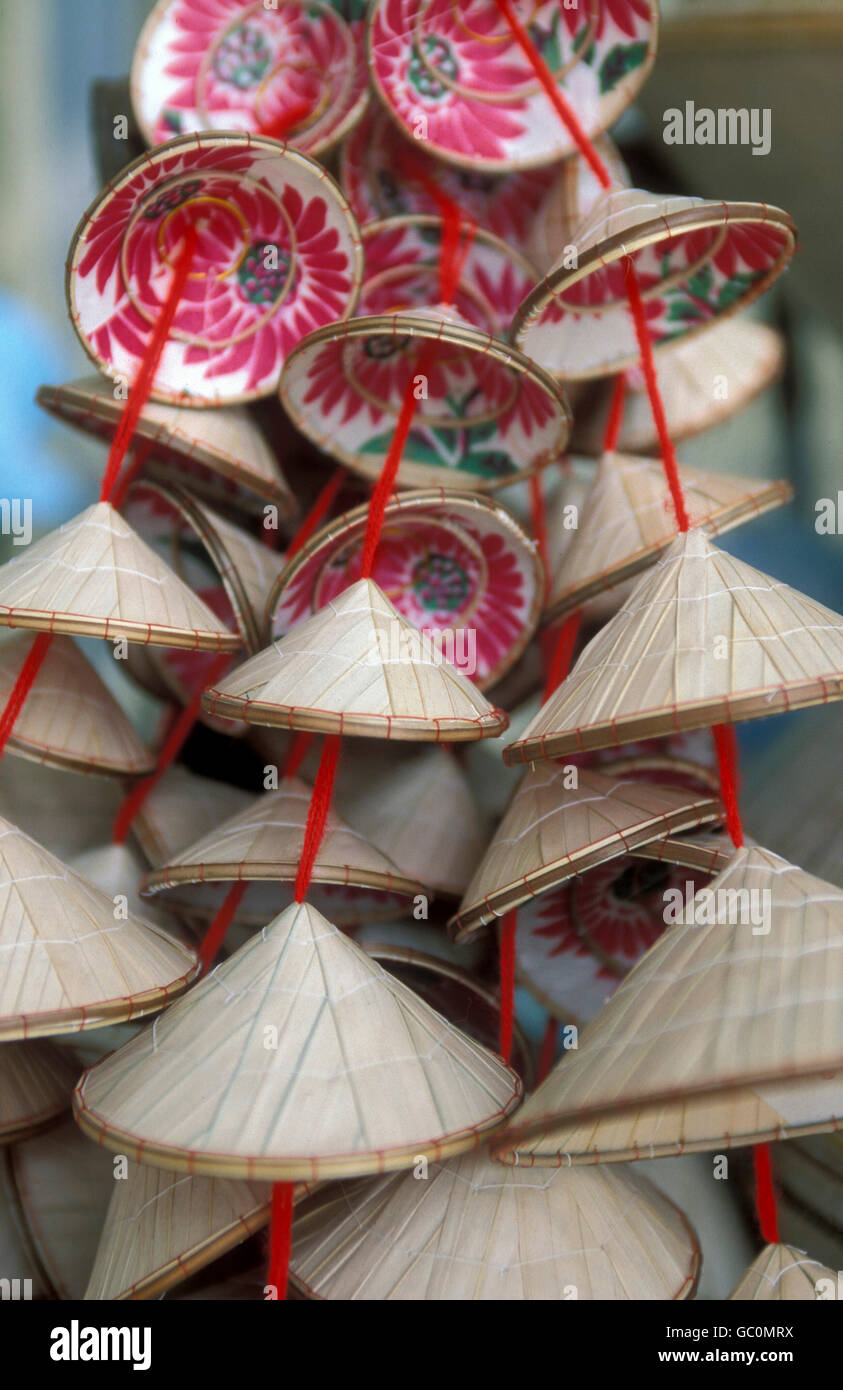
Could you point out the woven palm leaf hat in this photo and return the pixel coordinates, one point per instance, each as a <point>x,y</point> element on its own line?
<point>781,1273</point>
<point>36,1084</point>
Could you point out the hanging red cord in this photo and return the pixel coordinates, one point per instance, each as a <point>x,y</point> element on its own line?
<point>509,922</point>
<point>317,814</point>
<point>765,1194</point>
<point>615,416</point>
<point>324,501</point>
<point>142,384</point>
<point>560,663</point>
<point>280,1237</point>
<point>26,678</point>
<point>297,753</point>
<point>727,759</point>
<point>169,752</point>
<point>451,260</point>
<point>215,935</point>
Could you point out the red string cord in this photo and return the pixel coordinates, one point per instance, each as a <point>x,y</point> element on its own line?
<point>297,753</point>
<point>215,935</point>
<point>559,102</point>
<point>727,759</point>
<point>509,922</point>
<point>451,261</point>
<point>27,676</point>
<point>564,650</point>
<point>318,511</point>
<point>280,1237</point>
<point>317,814</point>
<point>169,752</point>
<point>765,1194</point>
<point>615,417</point>
<point>140,453</point>
<point>142,384</point>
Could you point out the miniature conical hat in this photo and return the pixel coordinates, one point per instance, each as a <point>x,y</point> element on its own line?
<point>475,1231</point>
<point>69,961</point>
<point>357,667</point>
<point>180,809</point>
<point>247,568</point>
<point>364,1075</point>
<point>227,442</point>
<point>722,1033</point>
<point>36,1083</point>
<point>695,261</point>
<point>702,639</point>
<point>96,578</point>
<point>161,1227</point>
<point>69,719</point>
<point>702,382</point>
<point>551,832</point>
<point>628,521</point>
<point>709,852</point>
<point>489,415</point>
<point>782,1274</point>
<point>440,844</point>
<point>571,196</point>
<point>265,841</point>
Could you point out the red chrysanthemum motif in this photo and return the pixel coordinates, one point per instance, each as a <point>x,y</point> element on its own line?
<point>613,914</point>
<point>266,271</point>
<point>622,14</point>
<point>454,43</point>
<point>297,70</point>
<point>753,247</point>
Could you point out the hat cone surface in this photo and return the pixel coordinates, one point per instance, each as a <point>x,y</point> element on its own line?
<point>95,577</point>
<point>782,1274</point>
<point>265,841</point>
<point>69,961</point>
<point>36,1083</point>
<point>225,442</point>
<point>181,809</point>
<point>702,639</point>
<point>551,832</point>
<point>628,520</point>
<point>69,719</point>
<point>724,1031</point>
<point>357,667</point>
<point>363,1077</point>
<point>161,1227</point>
<point>474,1230</point>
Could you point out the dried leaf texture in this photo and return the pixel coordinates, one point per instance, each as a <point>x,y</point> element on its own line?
<point>162,1227</point>
<point>628,521</point>
<point>68,962</point>
<point>721,1034</point>
<point>783,1274</point>
<point>182,809</point>
<point>36,1083</point>
<point>703,639</point>
<point>298,1058</point>
<point>226,440</point>
<point>69,719</point>
<point>473,1231</point>
<point>357,667</point>
<point>551,832</point>
<point>95,577</point>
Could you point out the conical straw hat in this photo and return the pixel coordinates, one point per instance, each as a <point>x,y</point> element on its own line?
<point>782,1274</point>
<point>70,962</point>
<point>242,309</point>
<point>193,69</point>
<point>475,1231</point>
<point>570,197</point>
<point>628,521</point>
<point>702,382</point>
<point>226,443</point>
<point>440,844</point>
<point>703,639</point>
<point>182,808</point>
<point>357,667</point>
<point>69,719</point>
<point>95,577</point>
<point>264,842</point>
<point>364,1076</point>
<point>489,416</point>
<point>695,261</point>
<point>709,852</point>
<point>247,568</point>
<point>36,1084</point>
<point>484,109</point>
<point>457,561</point>
<point>58,1185</point>
<point>721,1034</point>
<point>162,1227</point>
<point>551,832</point>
